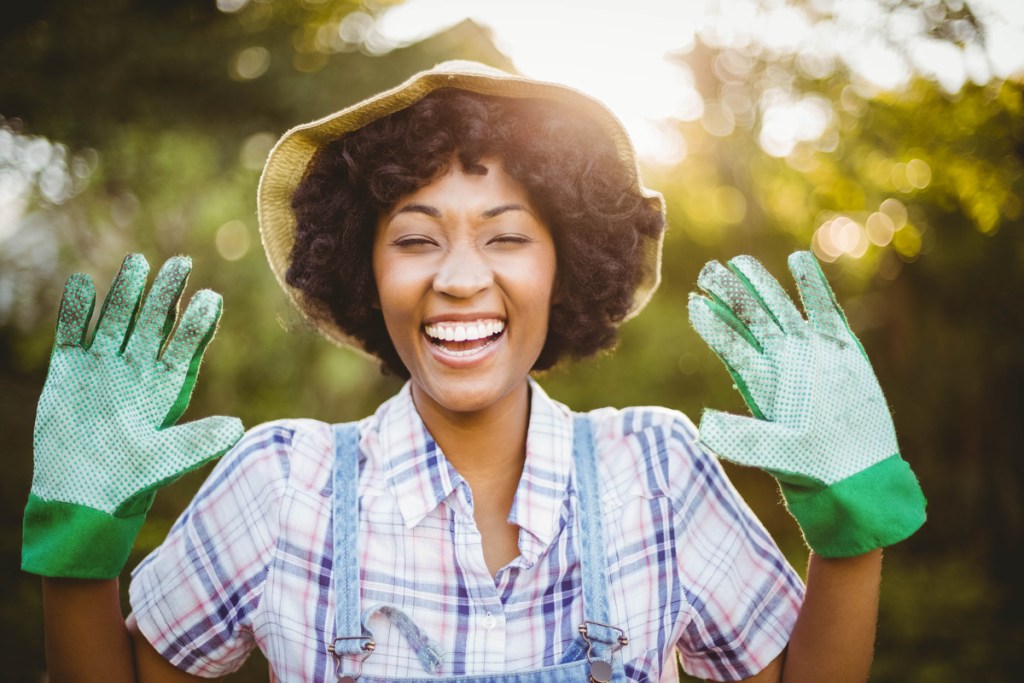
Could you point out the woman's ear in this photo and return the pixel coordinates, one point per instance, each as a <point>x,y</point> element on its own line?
<point>374,294</point>
<point>556,290</point>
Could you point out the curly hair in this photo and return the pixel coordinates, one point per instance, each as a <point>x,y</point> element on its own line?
<point>570,170</point>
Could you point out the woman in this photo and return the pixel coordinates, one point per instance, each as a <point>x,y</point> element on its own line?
<point>466,228</point>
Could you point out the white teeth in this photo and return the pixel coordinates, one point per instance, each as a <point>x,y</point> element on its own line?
<point>459,332</point>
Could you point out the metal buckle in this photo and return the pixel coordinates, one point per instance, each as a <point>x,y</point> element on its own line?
<point>600,670</point>
<point>366,647</point>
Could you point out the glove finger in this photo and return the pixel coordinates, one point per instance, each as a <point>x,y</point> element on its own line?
<point>198,442</point>
<point>159,310</point>
<point>75,310</point>
<point>823,311</point>
<point>769,292</point>
<point>727,336</point>
<point>183,449</point>
<point>715,324</point>
<point>185,350</point>
<point>747,440</point>
<point>121,304</point>
<point>731,292</point>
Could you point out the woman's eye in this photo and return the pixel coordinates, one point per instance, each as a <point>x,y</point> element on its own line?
<point>510,239</point>
<point>413,241</point>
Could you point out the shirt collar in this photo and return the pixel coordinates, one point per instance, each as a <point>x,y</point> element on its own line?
<point>541,495</point>
<point>421,477</point>
<point>418,473</point>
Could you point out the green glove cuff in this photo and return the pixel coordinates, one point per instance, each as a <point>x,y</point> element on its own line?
<point>875,508</point>
<point>73,541</point>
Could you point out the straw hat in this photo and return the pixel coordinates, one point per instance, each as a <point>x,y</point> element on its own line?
<point>292,154</point>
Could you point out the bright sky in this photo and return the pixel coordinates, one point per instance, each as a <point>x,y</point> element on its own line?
<point>616,50</point>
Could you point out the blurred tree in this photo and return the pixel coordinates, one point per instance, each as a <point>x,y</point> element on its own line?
<point>914,198</point>
<point>164,112</point>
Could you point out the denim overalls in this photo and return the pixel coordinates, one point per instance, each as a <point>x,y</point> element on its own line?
<point>590,657</point>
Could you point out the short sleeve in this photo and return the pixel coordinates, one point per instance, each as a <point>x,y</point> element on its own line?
<point>742,594</point>
<point>194,596</point>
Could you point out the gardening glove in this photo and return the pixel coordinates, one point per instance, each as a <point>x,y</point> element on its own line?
<point>821,426</point>
<point>104,436</point>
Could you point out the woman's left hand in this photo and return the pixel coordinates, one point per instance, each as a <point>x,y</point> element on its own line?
<point>821,425</point>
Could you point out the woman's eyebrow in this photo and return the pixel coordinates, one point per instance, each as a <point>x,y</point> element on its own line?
<point>498,210</point>
<point>419,208</point>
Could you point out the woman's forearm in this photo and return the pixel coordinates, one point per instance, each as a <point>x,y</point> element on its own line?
<point>86,637</point>
<point>834,637</point>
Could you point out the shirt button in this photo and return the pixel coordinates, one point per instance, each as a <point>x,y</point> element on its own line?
<point>489,622</point>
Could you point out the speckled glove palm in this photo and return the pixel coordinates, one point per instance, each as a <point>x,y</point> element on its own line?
<point>105,438</point>
<point>821,425</point>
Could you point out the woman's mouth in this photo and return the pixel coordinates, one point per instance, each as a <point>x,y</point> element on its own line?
<point>464,338</point>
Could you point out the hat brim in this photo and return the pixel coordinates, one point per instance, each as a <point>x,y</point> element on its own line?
<point>288,160</point>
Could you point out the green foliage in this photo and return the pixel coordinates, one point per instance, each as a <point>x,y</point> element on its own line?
<point>937,309</point>
<point>168,109</point>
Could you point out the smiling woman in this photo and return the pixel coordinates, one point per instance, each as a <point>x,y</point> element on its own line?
<point>466,228</point>
<point>466,251</point>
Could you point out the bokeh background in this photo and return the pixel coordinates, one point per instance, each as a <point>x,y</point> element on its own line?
<point>887,136</point>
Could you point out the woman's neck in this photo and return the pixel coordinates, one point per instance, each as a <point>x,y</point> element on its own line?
<point>485,446</point>
<point>488,448</point>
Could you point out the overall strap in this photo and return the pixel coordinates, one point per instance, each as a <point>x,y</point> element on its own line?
<point>351,633</point>
<point>348,631</point>
<point>602,638</point>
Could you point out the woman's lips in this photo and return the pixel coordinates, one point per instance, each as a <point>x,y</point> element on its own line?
<point>463,340</point>
<point>463,330</point>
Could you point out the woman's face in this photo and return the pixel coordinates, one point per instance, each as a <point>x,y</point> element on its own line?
<point>465,272</point>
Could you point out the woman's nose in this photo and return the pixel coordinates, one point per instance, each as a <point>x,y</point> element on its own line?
<point>463,273</point>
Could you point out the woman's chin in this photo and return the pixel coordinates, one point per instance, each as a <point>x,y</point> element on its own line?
<point>465,396</point>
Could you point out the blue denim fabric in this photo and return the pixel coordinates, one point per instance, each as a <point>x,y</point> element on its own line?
<point>599,644</point>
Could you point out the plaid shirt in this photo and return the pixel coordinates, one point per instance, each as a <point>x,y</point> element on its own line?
<point>248,564</point>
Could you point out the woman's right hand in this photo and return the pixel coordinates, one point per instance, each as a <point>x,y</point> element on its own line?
<point>105,438</point>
